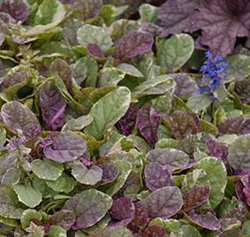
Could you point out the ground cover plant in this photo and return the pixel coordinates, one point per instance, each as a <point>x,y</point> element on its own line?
<point>124,118</point>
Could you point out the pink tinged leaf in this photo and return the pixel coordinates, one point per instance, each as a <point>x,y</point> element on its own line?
<point>183,123</point>
<point>95,51</point>
<point>175,16</point>
<point>222,21</point>
<point>133,44</point>
<point>141,217</point>
<point>236,125</point>
<point>154,230</point>
<point>206,220</point>
<point>148,121</point>
<point>195,197</point>
<point>65,147</point>
<point>122,212</point>
<point>164,202</point>
<point>127,122</point>
<point>18,9</point>
<point>157,176</point>
<point>53,106</point>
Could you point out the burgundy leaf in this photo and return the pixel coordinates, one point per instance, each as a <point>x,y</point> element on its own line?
<point>195,197</point>
<point>18,9</point>
<point>157,176</point>
<point>236,125</point>
<point>64,218</point>
<point>122,212</point>
<point>183,123</point>
<point>206,220</point>
<point>95,51</point>
<point>175,16</point>
<point>141,217</point>
<point>110,172</point>
<point>133,44</point>
<point>127,122</point>
<point>221,22</point>
<point>148,121</point>
<point>65,147</point>
<point>32,131</point>
<point>53,106</point>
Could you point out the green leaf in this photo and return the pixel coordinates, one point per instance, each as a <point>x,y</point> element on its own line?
<point>9,206</point>
<point>108,110</point>
<point>238,67</point>
<point>110,76</point>
<point>208,127</point>
<point>49,11</point>
<point>29,215</point>
<point>217,176</point>
<point>57,231</point>
<point>46,169</point>
<point>157,86</point>
<point>85,69</point>
<point>63,184</point>
<point>90,34</point>
<point>198,102</point>
<point>239,153</point>
<point>77,124</point>
<point>125,168</point>
<point>219,115</point>
<point>174,52</point>
<point>2,136</point>
<point>84,175</point>
<point>148,13</point>
<point>28,195</point>
<point>130,70</point>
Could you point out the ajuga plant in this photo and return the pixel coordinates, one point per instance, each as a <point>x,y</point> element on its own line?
<point>124,118</point>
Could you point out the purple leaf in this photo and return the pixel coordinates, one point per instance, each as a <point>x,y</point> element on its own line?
<point>221,22</point>
<point>170,158</point>
<point>65,147</point>
<point>183,123</point>
<point>133,44</point>
<point>157,176</point>
<point>16,115</point>
<point>89,206</point>
<point>236,125</point>
<point>67,1</point>
<point>141,217</point>
<point>53,106</point>
<point>218,150</point>
<point>18,9</point>
<point>110,172</point>
<point>32,131</point>
<point>148,120</point>
<point>185,85</point>
<point>195,197</point>
<point>164,202</point>
<point>95,51</point>
<point>175,16</point>
<point>206,220</point>
<point>242,89</point>
<point>127,122</point>
<point>64,218</point>
<point>122,212</point>
<point>243,189</point>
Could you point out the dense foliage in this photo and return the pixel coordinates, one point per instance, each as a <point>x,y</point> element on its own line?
<point>124,118</point>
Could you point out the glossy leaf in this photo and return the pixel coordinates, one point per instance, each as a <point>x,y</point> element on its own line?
<point>161,204</point>
<point>65,147</point>
<point>108,110</point>
<point>174,52</point>
<point>89,206</point>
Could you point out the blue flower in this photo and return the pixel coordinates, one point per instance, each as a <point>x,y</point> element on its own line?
<point>213,69</point>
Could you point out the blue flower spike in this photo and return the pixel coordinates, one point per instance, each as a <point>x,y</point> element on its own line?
<point>214,69</point>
